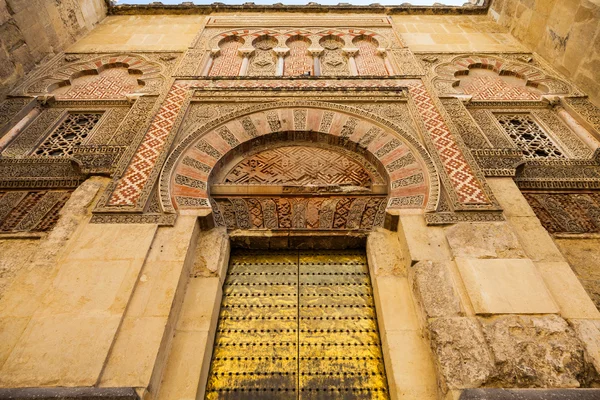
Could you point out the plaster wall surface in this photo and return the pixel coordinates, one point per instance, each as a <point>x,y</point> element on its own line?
<point>32,31</point>
<point>142,33</point>
<point>454,33</point>
<point>566,33</point>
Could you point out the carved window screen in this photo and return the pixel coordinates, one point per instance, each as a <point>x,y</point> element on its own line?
<point>74,129</point>
<point>528,136</point>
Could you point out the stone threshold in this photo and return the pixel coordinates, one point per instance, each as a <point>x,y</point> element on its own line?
<point>69,393</point>
<point>530,394</point>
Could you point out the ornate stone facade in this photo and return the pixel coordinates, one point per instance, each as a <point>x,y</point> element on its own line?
<point>128,173</point>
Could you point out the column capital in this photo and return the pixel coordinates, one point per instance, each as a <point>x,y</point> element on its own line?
<point>246,51</point>
<point>281,51</point>
<point>315,51</point>
<point>350,51</point>
<point>215,52</point>
<point>382,51</point>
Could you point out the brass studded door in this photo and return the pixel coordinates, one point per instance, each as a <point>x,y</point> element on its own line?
<point>297,325</point>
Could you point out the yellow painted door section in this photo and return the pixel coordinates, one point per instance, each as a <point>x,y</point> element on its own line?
<point>297,325</point>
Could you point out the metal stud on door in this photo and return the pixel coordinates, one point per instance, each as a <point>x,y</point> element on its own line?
<point>297,325</point>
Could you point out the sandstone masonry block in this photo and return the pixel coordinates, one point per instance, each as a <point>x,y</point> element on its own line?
<point>483,240</point>
<point>534,351</point>
<point>505,286</point>
<point>463,358</point>
<point>434,288</point>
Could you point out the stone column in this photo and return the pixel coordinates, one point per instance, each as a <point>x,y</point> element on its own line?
<point>386,60</point>
<point>351,53</point>
<point>245,53</point>
<point>281,52</point>
<point>18,128</point>
<point>316,54</point>
<point>214,53</point>
<point>576,127</point>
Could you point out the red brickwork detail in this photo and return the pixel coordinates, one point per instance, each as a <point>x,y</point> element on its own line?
<point>229,62</point>
<point>496,88</point>
<point>368,61</point>
<point>299,61</point>
<point>467,186</point>
<point>109,84</point>
<point>130,185</point>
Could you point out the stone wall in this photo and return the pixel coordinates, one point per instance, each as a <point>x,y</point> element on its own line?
<point>31,31</point>
<point>566,33</point>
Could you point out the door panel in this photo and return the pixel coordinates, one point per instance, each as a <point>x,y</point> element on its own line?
<point>297,325</point>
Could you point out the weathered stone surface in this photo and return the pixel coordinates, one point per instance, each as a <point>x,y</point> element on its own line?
<point>584,257</point>
<point>567,291</point>
<point>463,358</point>
<point>434,288</point>
<point>82,393</point>
<point>534,351</point>
<point>505,286</point>
<point>530,394</point>
<point>385,254</point>
<point>588,331</point>
<point>423,242</point>
<point>212,253</point>
<point>484,240</point>
<point>34,30</point>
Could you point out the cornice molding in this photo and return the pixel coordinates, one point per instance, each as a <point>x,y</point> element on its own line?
<point>204,9</point>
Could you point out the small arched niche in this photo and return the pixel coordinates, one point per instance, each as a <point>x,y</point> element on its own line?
<point>484,82</point>
<point>229,62</point>
<point>298,61</point>
<point>109,82</point>
<point>368,62</point>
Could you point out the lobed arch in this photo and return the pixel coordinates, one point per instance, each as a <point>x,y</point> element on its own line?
<point>149,75</point>
<point>312,35</point>
<point>411,177</point>
<point>448,75</point>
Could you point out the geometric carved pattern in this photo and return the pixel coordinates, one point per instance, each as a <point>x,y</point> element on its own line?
<point>109,84</point>
<point>228,62</point>
<point>528,136</point>
<point>567,212</point>
<point>348,213</point>
<point>299,61</point>
<point>300,165</point>
<point>33,211</point>
<point>333,60</point>
<point>496,88</point>
<point>69,134</point>
<point>131,184</point>
<point>264,61</point>
<point>368,62</point>
<point>467,186</point>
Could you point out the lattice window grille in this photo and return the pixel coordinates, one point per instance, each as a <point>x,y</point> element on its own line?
<point>529,137</point>
<point>72,132</point>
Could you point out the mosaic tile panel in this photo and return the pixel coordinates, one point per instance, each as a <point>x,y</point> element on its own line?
<point>467,186</point>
